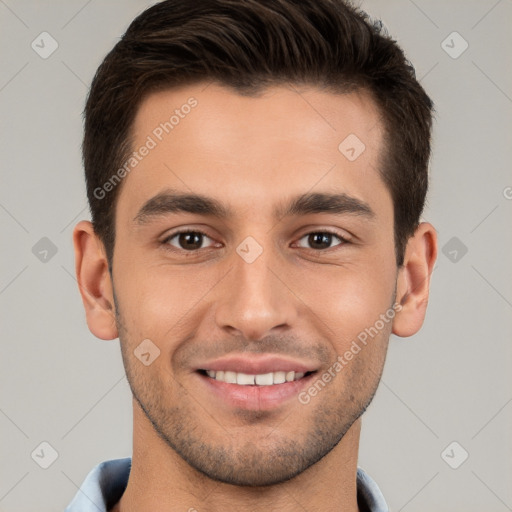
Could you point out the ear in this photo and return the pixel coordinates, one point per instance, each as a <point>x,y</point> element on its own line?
<point>94,281</point>
<point>413,282</point>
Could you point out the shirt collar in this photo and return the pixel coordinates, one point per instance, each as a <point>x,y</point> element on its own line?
<point>106,483</point>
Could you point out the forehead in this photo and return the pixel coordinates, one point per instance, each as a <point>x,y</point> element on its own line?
<point>211,140</point>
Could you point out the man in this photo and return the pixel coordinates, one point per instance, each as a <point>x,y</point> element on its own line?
<point>256,171</point>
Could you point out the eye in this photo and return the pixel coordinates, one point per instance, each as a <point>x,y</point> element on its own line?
<point>192,240</point>
<point>188,240</point>
<point>321,240</point>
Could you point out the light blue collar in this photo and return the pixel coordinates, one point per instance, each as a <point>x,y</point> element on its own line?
<point>106,483</point>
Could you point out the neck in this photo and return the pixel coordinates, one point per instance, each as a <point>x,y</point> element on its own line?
<point>161,480</point>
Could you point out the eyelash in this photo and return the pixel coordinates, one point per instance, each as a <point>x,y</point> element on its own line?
<point>165,242</point>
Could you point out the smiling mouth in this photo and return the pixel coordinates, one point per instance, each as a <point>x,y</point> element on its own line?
<point>262,379</point>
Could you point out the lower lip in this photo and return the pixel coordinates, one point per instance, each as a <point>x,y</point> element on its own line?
<point>255,398</point>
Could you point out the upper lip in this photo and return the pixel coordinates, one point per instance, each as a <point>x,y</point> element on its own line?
<point>257,364</point>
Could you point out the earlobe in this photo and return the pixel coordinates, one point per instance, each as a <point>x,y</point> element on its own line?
<point>413,283</point>
<point>94,281</point>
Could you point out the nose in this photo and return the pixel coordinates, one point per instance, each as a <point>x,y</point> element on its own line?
<point>255,298</point>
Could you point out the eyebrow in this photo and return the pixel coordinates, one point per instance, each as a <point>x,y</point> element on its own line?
<point>171,201</point>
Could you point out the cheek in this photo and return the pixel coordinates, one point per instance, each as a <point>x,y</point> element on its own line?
<point>144,301</point>
<point>159,302</point>
<point>348,300</point>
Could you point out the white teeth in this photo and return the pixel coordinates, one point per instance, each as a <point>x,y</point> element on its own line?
<point>244,379</point>
<point>229,377</point>
<point>279,377</point>
<point>264,379</point>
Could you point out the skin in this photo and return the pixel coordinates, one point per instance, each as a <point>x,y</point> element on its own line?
<point>190,449</point>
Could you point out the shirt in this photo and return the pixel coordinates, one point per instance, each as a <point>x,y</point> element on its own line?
<point>106,483</point>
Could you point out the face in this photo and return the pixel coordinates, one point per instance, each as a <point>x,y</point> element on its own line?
<point>253,292</point>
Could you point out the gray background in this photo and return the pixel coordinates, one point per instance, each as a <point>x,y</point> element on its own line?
<point>450,382</point>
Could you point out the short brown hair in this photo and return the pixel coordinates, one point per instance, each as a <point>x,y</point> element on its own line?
<point>249,45</point>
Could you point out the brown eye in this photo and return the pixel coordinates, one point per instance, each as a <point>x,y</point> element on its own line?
<point>321,240</point>
<point>187,240</point>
